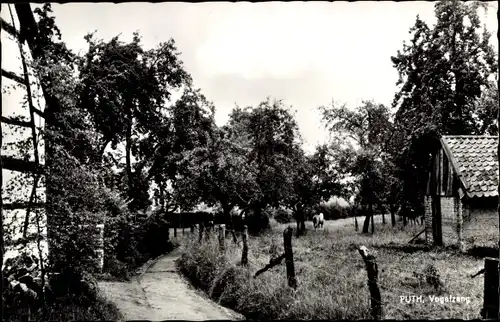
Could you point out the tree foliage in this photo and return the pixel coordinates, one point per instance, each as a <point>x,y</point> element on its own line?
<point>359,146</point>
<point>443,72</point>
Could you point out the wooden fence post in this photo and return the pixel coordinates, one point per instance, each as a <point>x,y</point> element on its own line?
<point>208,230</point>
<point>490,302</point>
<point>244,254</point>
<point>200,232</point>
<point>233,233</point>
<point>175,231</point>
<point>290,269</point>
<point>372,270</point>
<point>222,237</point>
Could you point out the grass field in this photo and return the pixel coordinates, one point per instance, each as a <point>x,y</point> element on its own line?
<point>332,277</point>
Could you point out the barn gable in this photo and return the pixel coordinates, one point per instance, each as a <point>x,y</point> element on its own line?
<point>475,162</point>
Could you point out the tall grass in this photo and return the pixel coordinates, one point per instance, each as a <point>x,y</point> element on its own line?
<point>331,275</point>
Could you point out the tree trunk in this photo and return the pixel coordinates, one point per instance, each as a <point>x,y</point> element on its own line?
<point>371,215</point>
<point>128,150</point>
<point>162,195</point>
<point>393,215</point>
<point>366,224</point>
<point>301,224</point>
<point>128,147</point>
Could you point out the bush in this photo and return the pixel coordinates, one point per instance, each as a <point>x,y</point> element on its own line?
<point>282,216</point>
<point>69,295</point>
<point>332,211</point>
<point>257,221</point>
<point>116,269</point>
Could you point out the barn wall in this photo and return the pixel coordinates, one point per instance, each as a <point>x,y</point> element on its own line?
<point>481,226</point>
<point>449,216</point>
<point>428,219</point>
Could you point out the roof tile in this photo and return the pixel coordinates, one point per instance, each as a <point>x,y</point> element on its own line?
<point>477,161</point>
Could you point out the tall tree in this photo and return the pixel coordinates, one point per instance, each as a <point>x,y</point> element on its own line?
<point>360,138</point>
<point>265,138</point>
<point>443,71</point>
<point>311,180</point>
<point>125,89</point>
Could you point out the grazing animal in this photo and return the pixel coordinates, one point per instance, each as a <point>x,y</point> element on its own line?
<point>318,220</point>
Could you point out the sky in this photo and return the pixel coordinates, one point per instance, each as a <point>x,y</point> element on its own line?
<point>305,53</point>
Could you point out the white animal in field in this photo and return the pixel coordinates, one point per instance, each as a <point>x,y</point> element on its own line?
<point>318,220</point>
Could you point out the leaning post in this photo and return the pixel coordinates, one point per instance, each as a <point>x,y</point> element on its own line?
<point>200,232</point>
<point>372,270</point>
<point>222,237</point>
<point>244,254</point>
<point>290,269</point>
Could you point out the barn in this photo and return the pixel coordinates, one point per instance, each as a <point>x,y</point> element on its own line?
<point>462,193</point>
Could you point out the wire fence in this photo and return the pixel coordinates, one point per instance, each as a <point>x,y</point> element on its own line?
<point>395,281</point>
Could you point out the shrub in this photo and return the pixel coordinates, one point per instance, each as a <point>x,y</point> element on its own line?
<point>282,216</point>
<point>332,211</point>
<point>70,294</point>
<point>432,277</point>
<point>116,268</point>
<point>257,221</point>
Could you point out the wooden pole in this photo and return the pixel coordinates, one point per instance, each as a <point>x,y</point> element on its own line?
<point>290,269</point>
<point>498,160</point>
<point>200,232</point>
<point>208,230</point>
<point>244,254</point>
<point>222,237</point>
<point>2,250</point>
<point>372,270</point>
<point>490,298</point>
<point>233,233</point>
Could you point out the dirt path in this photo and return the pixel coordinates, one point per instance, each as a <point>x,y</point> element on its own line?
<point>161,293</point>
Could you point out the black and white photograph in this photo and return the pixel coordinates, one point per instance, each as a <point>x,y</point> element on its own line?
<point>207,161</point>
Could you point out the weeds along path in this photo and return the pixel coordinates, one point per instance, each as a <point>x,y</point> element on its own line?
<point>162,293</point>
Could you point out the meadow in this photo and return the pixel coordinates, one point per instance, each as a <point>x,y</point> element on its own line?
<point>332,280</point>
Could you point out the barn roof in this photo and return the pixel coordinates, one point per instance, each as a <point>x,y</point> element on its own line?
<point>474,159</point>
